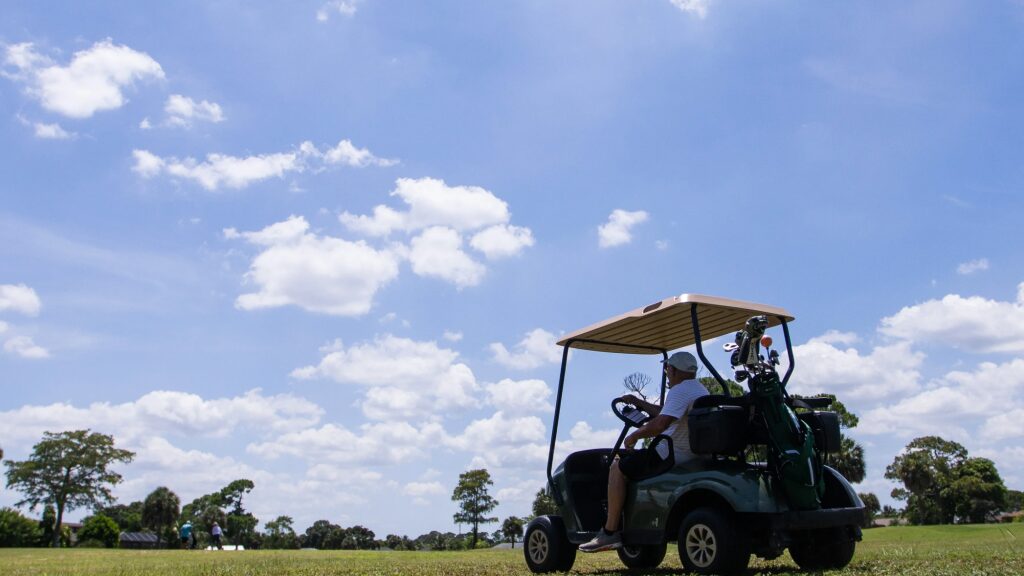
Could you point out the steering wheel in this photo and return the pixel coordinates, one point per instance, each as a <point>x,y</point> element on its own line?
<point>630,415</point>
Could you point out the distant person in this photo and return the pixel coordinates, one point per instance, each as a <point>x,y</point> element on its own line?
<point>216,533</point>
<point>185,532</point>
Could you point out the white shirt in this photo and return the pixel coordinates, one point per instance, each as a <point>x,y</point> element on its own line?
<point>678,401</point>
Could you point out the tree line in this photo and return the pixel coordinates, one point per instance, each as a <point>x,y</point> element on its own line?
<point>70,470</point>
<point>941,484</point>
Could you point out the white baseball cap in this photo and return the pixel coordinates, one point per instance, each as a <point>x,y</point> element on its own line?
<point>683,361</point>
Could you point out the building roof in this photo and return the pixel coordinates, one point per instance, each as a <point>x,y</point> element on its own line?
<point>141,537</point>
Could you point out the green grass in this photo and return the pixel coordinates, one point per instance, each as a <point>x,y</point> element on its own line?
<point>902,551</point>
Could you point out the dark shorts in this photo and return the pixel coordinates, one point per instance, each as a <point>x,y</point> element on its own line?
<point>637,463</point>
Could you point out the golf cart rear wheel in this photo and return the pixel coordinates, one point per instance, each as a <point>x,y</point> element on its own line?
<point>641,557</point>
<point>546,547</point>
<point>709,543</point>
<point>831,550</point>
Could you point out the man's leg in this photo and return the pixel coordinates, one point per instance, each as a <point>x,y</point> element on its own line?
<point>616,497</point>
<point>609,538</point>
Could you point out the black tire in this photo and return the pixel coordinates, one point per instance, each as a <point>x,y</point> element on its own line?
<point>546,547</point>
<point>830,550</point>
<point>642,556</point>
<point>710,543</point>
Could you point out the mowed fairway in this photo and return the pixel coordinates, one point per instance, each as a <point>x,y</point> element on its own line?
<point>952,550</point>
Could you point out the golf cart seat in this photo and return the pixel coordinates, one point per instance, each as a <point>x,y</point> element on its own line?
<point>719,425</point>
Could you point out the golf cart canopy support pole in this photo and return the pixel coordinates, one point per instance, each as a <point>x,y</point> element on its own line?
<point>789,352</point>
<point>700,350</point>
<point>561,387</point>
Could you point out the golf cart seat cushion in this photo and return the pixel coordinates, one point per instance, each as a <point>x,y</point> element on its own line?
<point>716,400</point>
<point>717,429</point>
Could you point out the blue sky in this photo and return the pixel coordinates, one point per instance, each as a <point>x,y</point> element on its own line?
<point>328,246</point>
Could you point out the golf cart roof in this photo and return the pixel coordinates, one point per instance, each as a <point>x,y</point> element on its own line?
<point>666,325</point>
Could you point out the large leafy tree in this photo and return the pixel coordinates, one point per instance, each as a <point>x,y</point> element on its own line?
<point>127,516</point>
<point>225,508</point>
<point>160,511</point>
<point>926,469</point>
<point>317,534</point>
<point>871,507</point>
<point>280,534</point>
<point>474,501</point>
<point>241,525</point>
<point>544,504</point>
<point>69,470</point>
<point>976,491</point>
<point>512,528</point>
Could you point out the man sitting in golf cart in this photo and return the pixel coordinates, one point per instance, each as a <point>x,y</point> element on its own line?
<point>670,419</point>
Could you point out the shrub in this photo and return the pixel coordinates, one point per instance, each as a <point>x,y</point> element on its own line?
<point>100,528</point>
<point>16,530</point>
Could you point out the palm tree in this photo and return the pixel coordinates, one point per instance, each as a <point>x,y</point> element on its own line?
<point>160,511</point>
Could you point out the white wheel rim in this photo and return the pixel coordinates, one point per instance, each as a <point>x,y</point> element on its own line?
<point>631,551</point>
<point>701,546</point>
<point>538,546</point>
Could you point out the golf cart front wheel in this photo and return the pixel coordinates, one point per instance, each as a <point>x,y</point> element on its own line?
<point>546,547</point>
<point>642,557</point>
<point>709,543</point>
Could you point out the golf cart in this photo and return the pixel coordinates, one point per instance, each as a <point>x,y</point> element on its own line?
<point>762,483</point>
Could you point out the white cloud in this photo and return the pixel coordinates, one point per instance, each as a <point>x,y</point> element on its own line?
<point>432,203</point>
<point>887,371</point>
<point>345,8</point>
<point>166,413</point>
<point>437,252</point>
<point>218,169</point>
<point>316,273</point>
<point>536,349</point>
<point>517,397</point>
<point>500,431</point>
<point>94,81</point>
<point>405,379</point>
<point>452,336</point>
<point>617,230</point>
<point>239,172</point>
<point>968,268</point>
<point>437,217</point>
<point>379,444</point>
<point>347,154</point>
<point>696,7</point>
<point>182,111</point>
<point>52,132</point>
<point>421,489</point>
<point>501,241</point>
<point>19,298</point>
<point>992,395</point>
<point>973,323</point>
<point>24,346</point>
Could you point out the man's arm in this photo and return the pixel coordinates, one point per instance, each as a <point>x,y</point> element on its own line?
<point>652,409</point>
<point>654,426</point>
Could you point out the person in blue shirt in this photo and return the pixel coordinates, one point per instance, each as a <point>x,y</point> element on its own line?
<point>185,532</point>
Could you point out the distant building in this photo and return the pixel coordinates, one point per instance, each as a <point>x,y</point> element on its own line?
<point>139,540</point>
<point>1011,516</point>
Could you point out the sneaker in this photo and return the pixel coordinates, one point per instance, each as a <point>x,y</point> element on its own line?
<point>603,541</point>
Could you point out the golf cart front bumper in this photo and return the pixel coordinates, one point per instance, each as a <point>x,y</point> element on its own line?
<point>817,519</point>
